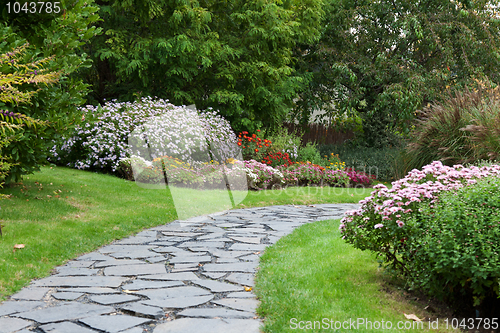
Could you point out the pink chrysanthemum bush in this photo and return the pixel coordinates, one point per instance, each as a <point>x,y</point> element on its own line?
<point>393,222</point>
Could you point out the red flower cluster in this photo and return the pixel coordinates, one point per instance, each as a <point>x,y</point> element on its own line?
<point>252,145</point>
<point>276,159</point>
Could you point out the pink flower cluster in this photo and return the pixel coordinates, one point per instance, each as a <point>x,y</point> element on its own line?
<point>396,205</point>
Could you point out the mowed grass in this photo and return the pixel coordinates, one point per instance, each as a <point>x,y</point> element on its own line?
<point>312,275</point>
<point>61,213</point>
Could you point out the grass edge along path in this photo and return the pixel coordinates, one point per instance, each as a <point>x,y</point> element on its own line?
<point>61,213</point>
<point>312,275</point>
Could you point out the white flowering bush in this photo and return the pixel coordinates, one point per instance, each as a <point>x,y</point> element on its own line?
<point>103,139</point>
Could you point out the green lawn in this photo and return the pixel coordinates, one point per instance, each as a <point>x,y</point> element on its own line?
<point>60,213</point>
<point>313,276</point>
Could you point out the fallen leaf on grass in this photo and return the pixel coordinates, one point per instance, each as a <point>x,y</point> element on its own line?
<point>412,317</point>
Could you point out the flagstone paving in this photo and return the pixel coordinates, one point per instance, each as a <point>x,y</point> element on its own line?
<point>185,276</point>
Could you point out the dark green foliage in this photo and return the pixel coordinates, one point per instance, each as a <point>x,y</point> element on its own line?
<point>309,153</point>
<point>384,60</point>
<point>234,56</point>
<point>385,163</point>
<point>458,250</point>
<point>61,37</point>
<point>463,129</point>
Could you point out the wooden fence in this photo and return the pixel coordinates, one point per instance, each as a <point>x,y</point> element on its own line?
<point>319,134</point>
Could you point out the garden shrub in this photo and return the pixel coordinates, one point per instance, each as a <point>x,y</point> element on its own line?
<point>391,222</point>
<point>309,153</point>
<point>102,141</point>
<point>457,251</point>
<point>462,129</point>
<point>384,163</point>
<point>285,142</point>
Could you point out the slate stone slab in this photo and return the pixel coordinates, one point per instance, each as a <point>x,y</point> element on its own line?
<point>214,235</point>
<point>157,259</point>
<point>134,270</point>
<point>76,271</point>
<point>227,260</point>
<point>251,240</point>
<point>184,268</point>
<point>218,287</point>
<point>179,302</point>
<point>181,234</point>
<point>169,249</point>
<point>215,313</point>
<point>214,276</point>
<point>94,256</point>
<point>230,254</point>
<point>81,281</point>
<point>69,296</point>
<point>139,254</point>
<point>198,325</point>
<point>135,240</point>
<point>113,299</point>
<point>162,243</point>
<point>143,284</point>
<point>31,294</point>
<point>245,267</point>
<point>203,244</point>
<point>247,247</point>
<point>241,294</point>
<point>147,233</point>
<point>116,262</point>
<point>249,305</point>
<point>251,257</point>
<point>65,327</point>
<point>134,330</point>
<point>65,311</point>
<point>183,276</point>
<point>189,259</point>
<point>79,264</point>
<point>186,291</point>
<point>124,248</point>
<point>142,310</point>
<point>8,325</point>
<point>113,324</point>
<point>245,279</point>
<point>10,307</point>
<point>90,290</point>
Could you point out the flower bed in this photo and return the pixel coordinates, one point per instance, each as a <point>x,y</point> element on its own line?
<point>259,175</point>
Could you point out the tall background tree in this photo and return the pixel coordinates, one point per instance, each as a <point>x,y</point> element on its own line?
<point>235,56</point>
<point>56,36</point>
<point>384,60</point>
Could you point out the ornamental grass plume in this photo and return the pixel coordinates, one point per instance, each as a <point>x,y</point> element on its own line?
<point>459,130</point>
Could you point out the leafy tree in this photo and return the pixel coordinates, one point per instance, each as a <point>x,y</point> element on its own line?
<point>235,56</point>
<point>12,124</point>
<point>384,60</point>
<point>56,38</point>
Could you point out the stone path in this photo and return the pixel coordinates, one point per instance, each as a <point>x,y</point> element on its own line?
<point>185,276</point>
